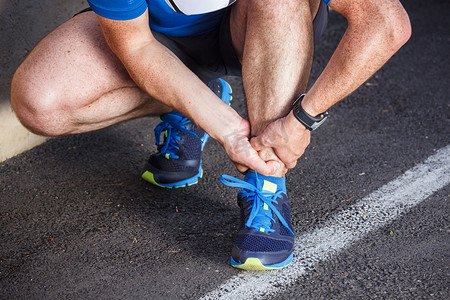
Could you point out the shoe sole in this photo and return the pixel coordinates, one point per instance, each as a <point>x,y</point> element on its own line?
<point>254,264</point>
<point>149,177</point>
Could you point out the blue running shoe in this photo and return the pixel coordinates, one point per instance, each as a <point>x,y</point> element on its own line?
<point>265,238</point>
<point>178,162</point>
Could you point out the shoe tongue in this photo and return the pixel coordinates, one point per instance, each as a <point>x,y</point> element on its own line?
<point>172,116</point>
<point>263,220</point>
<point>266,183</point>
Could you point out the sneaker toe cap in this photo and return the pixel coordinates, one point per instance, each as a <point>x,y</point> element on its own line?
<point>168,171</point>
<point>269,251</point>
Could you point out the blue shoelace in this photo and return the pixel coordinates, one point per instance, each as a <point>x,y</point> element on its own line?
<point>259,217</point>
<point>171,124</point>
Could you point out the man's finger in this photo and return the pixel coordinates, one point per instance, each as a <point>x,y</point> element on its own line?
<point>241,168</point>
<point>256,143</point>
<point>255,163</point>
<point>291,165</point>
<point>248,158</point>
<point>265,168</point>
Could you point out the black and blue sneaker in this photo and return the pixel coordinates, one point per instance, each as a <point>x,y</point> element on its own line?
<point>178,162</point>
<point>265,238</point>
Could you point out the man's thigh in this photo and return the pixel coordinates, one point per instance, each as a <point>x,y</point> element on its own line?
<point>209,56</point>
<point>73,64</point>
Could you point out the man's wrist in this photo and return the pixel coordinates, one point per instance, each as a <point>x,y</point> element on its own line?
<point>309,106</point>
<point>309,121</point>
<point>229,127</point>
<point>293,125</point>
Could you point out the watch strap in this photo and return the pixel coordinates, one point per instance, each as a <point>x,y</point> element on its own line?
<point>310,122</point>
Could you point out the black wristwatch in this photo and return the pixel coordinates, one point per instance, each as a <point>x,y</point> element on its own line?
<point>311,123</point>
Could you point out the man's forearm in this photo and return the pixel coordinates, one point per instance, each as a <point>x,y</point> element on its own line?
<point>196,101</point>
<point>169,81</point>
<point>159,73</point>
<point>377,29</point>
<point>364,48</point>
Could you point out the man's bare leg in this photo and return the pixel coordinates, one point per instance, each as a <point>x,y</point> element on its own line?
<point>72,82</point>
<point>275,41</point>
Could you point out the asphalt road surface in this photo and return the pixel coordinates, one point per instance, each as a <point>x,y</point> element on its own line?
<point>77,222</point>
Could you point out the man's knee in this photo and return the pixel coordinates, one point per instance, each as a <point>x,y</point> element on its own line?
<point>272,12</point>
<point>267,7</point>
<point>36,107</point>
<point>280,9</point>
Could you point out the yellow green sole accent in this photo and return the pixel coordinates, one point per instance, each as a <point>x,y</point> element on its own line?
<point>149,177</point>
<point>254,264</point>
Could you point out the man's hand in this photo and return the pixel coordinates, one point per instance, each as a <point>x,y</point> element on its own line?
<point>237,145</point>
<point>287,137</point>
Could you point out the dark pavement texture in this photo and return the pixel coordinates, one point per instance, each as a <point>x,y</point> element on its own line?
<point>77,222</point>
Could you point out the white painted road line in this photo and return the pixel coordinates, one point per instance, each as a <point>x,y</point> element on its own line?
<point>345,228</point>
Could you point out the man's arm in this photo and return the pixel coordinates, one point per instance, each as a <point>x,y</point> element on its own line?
<point>158,72</point>
<point>376,30</point>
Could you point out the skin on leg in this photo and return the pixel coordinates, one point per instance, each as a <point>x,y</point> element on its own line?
<point>274,40</point>
<point>72,82</point>
<point>376,30</point>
